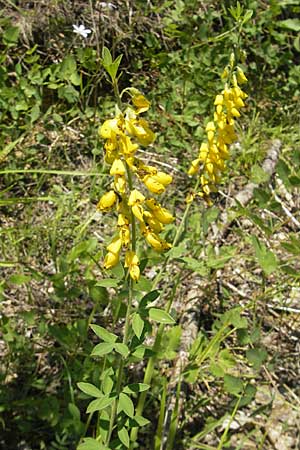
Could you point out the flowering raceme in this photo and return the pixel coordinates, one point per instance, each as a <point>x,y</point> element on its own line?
<point>124,134</point>
<point>220,133</point>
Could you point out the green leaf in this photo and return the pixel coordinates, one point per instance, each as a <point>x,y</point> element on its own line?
<point>248,396</point>
<point>216,369</point>
<point>19,279</point>
<point>137,325</point>
<point>11,35</point>
<point>99,403</point>
<point>258,175</point>
<point>290,24</point>
<point>91,444</point>
<point>125,404</point>
<point>103,334</point>
<point>90,389</point>
<point>106,56</point>
<point>108,282</point>
<point>124,437</point>
<point>74,411</point>
<point>102,349</point>
<point>256,357</point>
<point>139,421</point>
<point>215,261</point>
<point>233,385</point>
<point>136,387</point>
<point>160,316</point>
<point>122,349</point>
<point>148,298</point>
<point>195,265</point>
<point>265,257</point>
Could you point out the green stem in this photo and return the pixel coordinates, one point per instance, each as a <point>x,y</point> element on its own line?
<point>128,312</point>
<point>151,363</point>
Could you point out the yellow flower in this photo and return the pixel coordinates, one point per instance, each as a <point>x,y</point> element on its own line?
<point>109,128</point>
<point>126,145</point>
<point>161,214</point>
<point>135,197</point>
<point>110,260</point>
<point>115,245</point>
<point>117,168</point>
<point>132,262</point>
<point>241,78</point>
<point>120,183</point>
<point>141,103</point>
<point>194,167</point>
<point>138,211</point>
<point>163,178</point>
<point>138,128</point>
<point>152,222</point>
<point>210,129</point>
<point>153,184</point>
<point>107,200</point>
<point>135,200</point>
<point>219,99</point>
<point>203,152</point>
<point>156,242</point>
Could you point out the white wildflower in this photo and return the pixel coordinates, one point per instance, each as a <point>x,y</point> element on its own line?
<point>81,30</point>
<point>107,5</point>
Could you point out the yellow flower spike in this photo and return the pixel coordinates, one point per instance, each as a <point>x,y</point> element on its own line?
<point>135,198</point>
<point>153,185</point>
<point>117,168</point>
<point>115,245</point>
<point>141,103</point>
<point>132,262</point>
<point>241,77</point>
<point>107,201</point>
<point>110,260</point>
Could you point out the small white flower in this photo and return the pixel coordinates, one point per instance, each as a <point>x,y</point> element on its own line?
<point>81,30</point>
<point>107,5</point>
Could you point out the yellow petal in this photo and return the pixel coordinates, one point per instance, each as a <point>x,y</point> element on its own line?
<point>153,185</point>
<point>141,103</point>
<point>107,200</point>
<point>138,211</point>
<point>163,178</point>
<point>109,128</point>
<point>115,245</point>
<point>241,78</point>
<point>131,258</point>
<point>135,197</point>
<point>117,168</point>
<point>111,259</point>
